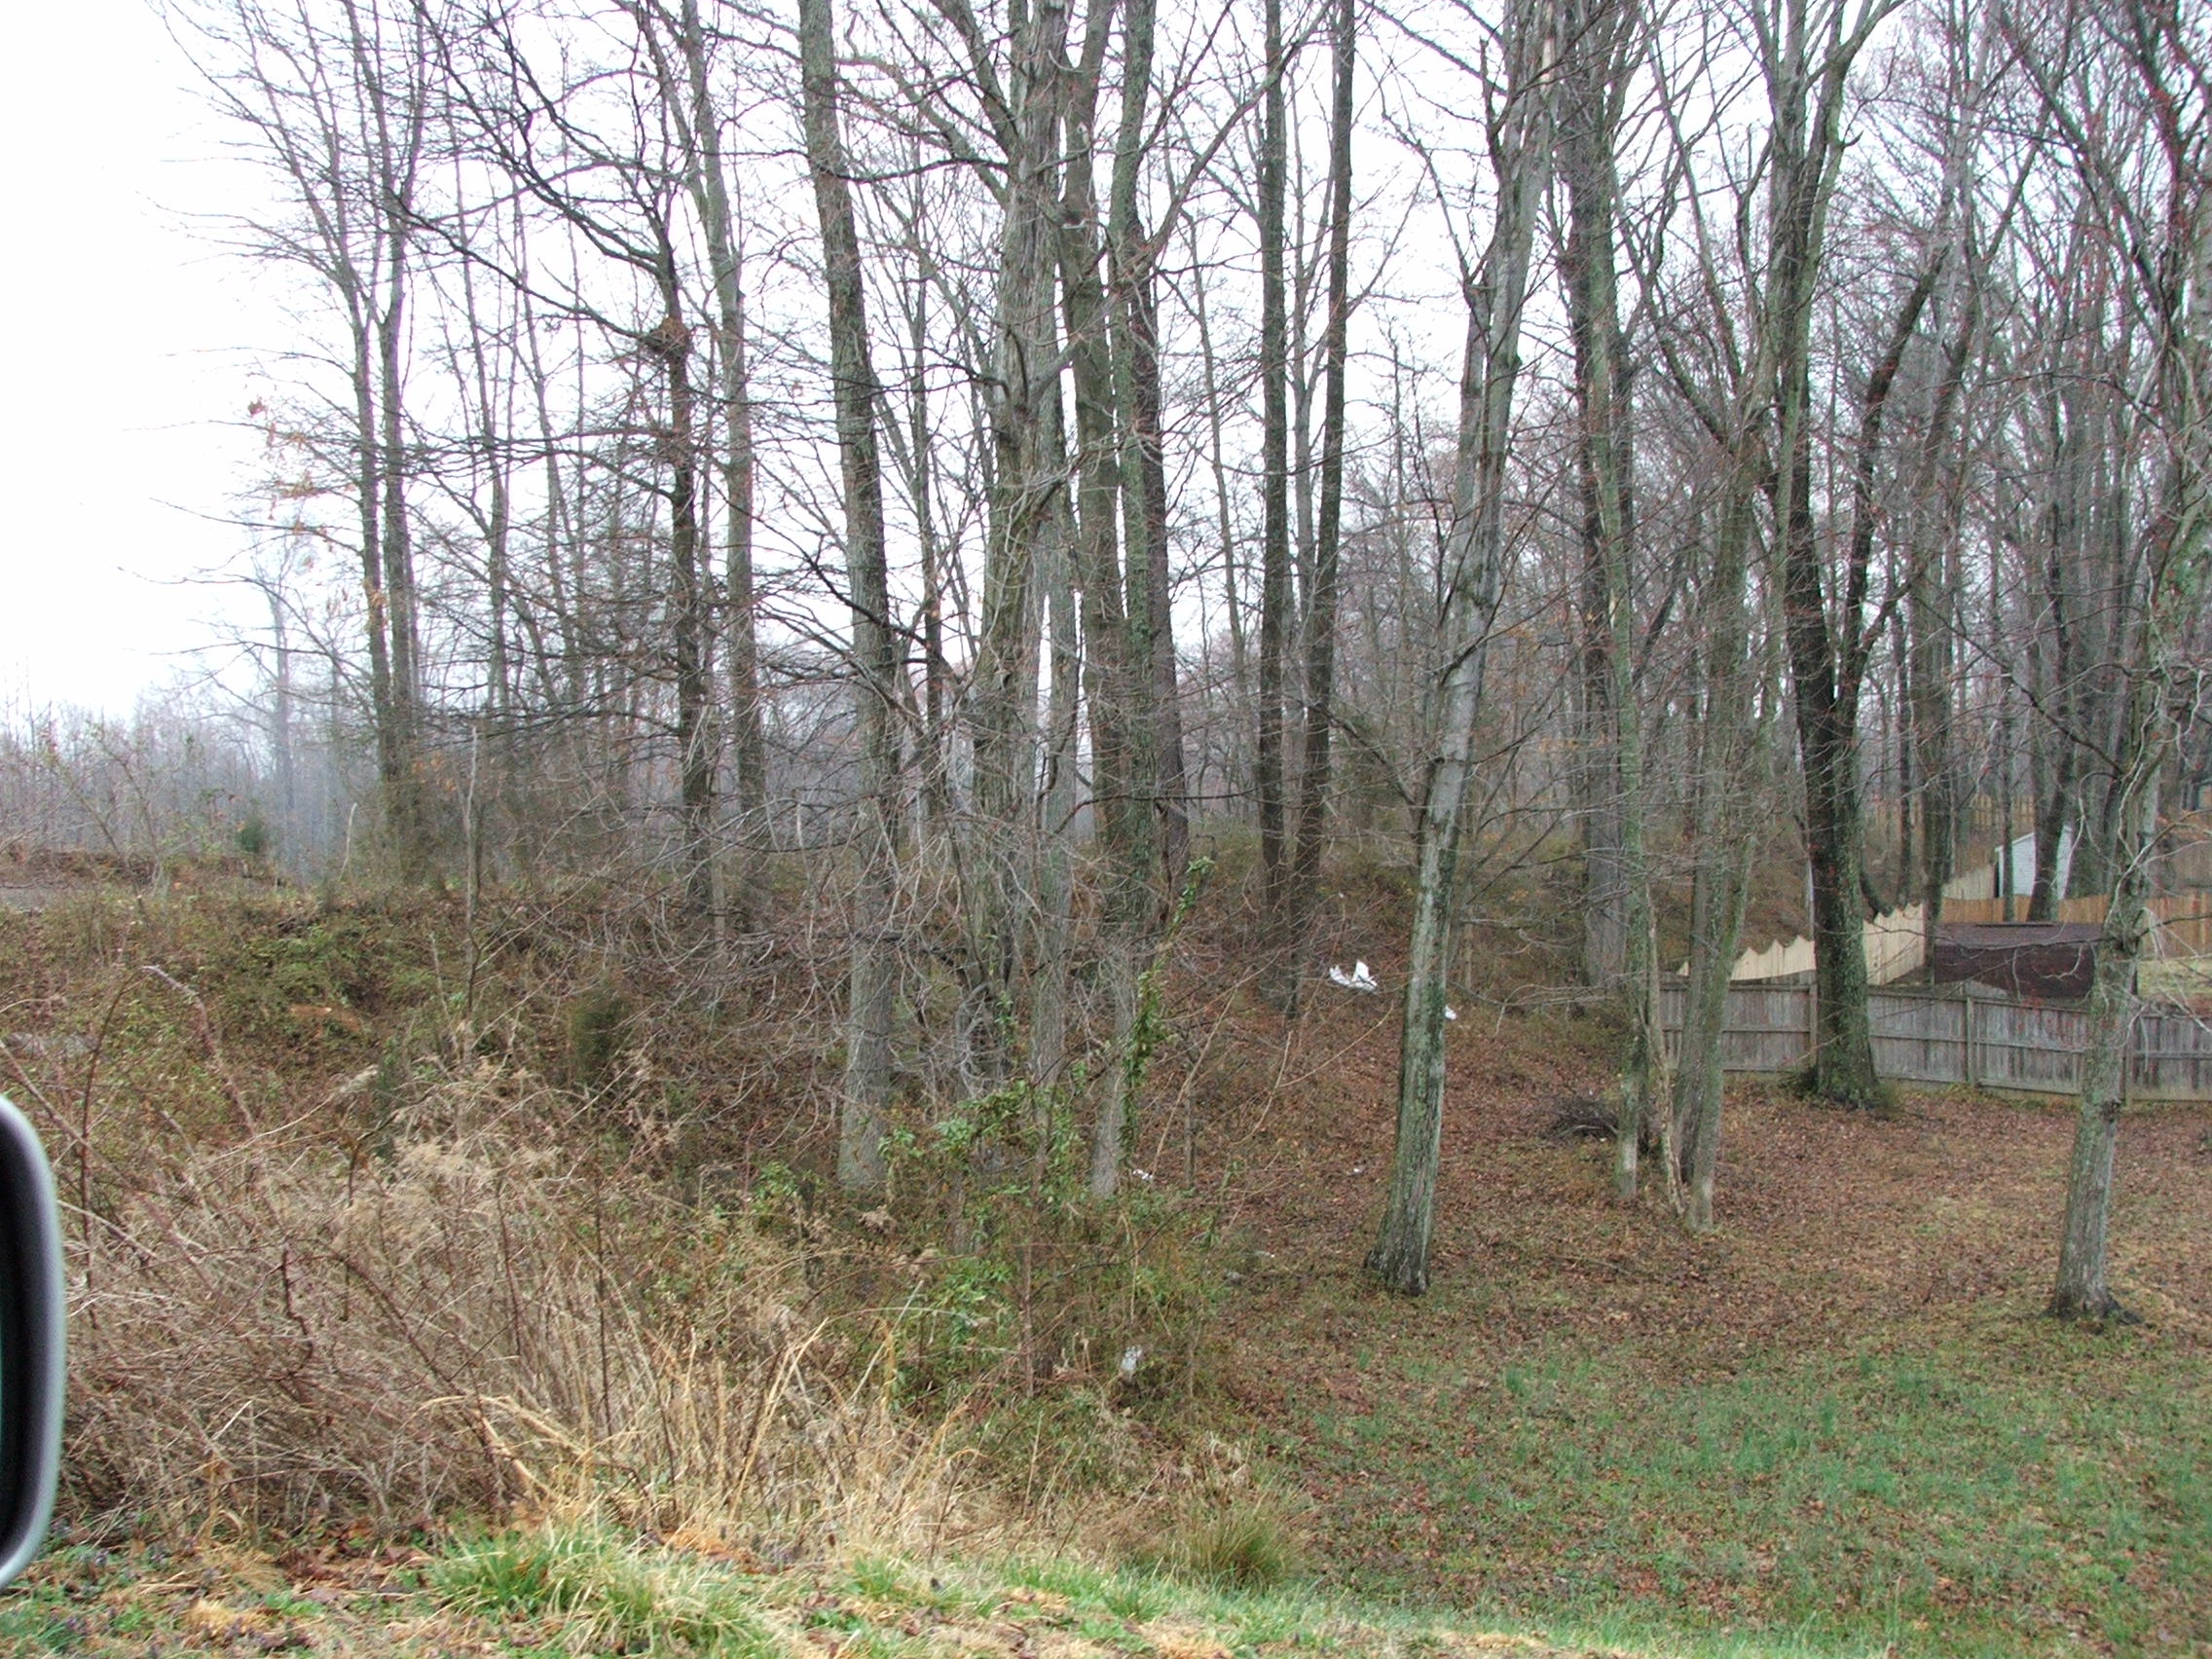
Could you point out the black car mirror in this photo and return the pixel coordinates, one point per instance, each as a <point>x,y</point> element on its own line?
<point>32,1315</point>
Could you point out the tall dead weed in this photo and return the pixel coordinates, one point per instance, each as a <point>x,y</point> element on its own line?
<point>484,1306</point>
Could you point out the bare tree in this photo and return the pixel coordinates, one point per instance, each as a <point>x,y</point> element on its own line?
<point>1620,952</point>
<point>1321,592</point>
<point>338,108</point>
<point>1473,573</point>
<point>2146,184</point>
<point>865,1114</point>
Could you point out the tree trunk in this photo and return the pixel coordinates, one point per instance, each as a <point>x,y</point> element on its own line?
<point>396,135</point>
<point>1619,950</point>
<point>1224,528</point>
<point>2153,658</point>
<point>1026,502</point>
<point>2056,805</point>
<point>1826,667</point>
<point>1171,762</point>
<point>1473,575</point>
<point>407,810</point>
<point>1932,605</point>
<point>865,1110</point>
<point>1274,486</point>
<point>1156,710</point>
<point>1314,774</point>
<point>1113,680</point>
<point>394,763</point>
<point>1053,926</point>
<point>1731,744</point>
<point>2082,1291</point>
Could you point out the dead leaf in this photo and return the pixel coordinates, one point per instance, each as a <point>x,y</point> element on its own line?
<point>1190,1647</point>
<point>210,1617</point>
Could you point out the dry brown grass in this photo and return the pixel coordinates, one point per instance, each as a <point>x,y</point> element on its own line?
<point>482,1308</point>
<point>374,1266</point>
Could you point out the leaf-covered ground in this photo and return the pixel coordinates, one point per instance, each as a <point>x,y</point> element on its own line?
<point>1841,1421</point>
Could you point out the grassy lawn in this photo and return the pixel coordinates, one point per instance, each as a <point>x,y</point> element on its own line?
<point>2185,979</point>
<point>2038,1491</point>
<point>2002,1498</point>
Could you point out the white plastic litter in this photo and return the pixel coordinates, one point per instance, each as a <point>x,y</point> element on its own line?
<point>1451,1013</point>
<point>1358,979</point>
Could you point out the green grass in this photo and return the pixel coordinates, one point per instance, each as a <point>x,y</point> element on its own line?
<point>2182,980</point>
<point>573,1592</point>
<point>880,1609</point>
<point>595,1593</point>
<point>2039,1492</point>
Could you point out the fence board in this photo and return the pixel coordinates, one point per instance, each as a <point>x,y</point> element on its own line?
<point>2191,865</point>
<point>1919,1039</point>
<point>2172,1059</point>
<point>1941,1037</point>
<point>1984,913</point>
<point>2023,1047</point>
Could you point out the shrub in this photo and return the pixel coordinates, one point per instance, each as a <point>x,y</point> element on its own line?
<point>1242,1544</point>
<point>490,1309</point>
<point>598,1032</point>
<point>1038,1283</point>
<point>1235,1537</point>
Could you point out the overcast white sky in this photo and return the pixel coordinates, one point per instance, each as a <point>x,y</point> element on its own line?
<point>127,360</point>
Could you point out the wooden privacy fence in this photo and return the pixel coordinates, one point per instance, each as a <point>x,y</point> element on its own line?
<point>1945,1036</point>
<point>2190,864</point>
<point>1896,944</point>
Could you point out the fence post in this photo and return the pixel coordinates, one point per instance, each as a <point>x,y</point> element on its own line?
<point>1966,1028</point>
